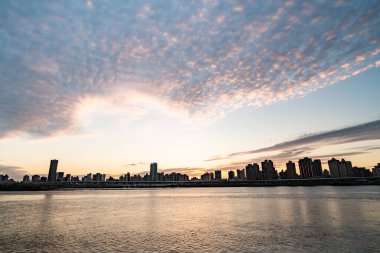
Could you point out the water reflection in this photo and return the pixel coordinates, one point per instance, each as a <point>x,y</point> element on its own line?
<point>213,219</point>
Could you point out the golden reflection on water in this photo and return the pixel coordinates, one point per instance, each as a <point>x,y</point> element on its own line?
<point>193,219</point>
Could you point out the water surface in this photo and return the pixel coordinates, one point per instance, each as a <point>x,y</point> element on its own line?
<point>262,219</point>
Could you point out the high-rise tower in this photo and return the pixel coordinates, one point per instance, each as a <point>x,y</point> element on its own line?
<point>53,171</point>
<point>153,171</point>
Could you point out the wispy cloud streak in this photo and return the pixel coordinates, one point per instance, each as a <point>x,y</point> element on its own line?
<point>202,57</point>
<point>13,171</point>
<point>362,132</point>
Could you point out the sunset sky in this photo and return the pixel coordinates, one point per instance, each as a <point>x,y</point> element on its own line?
<point>111,86</point>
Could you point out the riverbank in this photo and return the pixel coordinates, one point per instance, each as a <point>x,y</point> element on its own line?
<point>163,184</point>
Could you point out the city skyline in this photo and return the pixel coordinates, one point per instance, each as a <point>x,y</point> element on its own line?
<point>307,169</point>
<point>195,87</point>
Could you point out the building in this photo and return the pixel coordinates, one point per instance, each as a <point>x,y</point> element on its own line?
<point>334,167</point>
<point>52,177</point>
<point>346,167</point>
<point>128,177</point>
<point>342,168</point>
<point>218,175</point>
<point>306,167</point>
<point>73,178</point>
<point>283,175</point>
<point>252,171</point>
<point>206,176</point>
<point>268,170</point>
<point>240,174</point>
<point>68,178</point>
<point>291,170</point>
<point>153,171</point>
<point>60,176</point>
<point>182,177</point>
<point>4,179</point>
<point>376,170</point>
<point>26,179</point>
<point>36,179</point>
<point>98,177</point>
<point>161,176</point>
<point>231,175</point>
<point>317,168</point>
<point>256,171</point>
<point>87,178</point>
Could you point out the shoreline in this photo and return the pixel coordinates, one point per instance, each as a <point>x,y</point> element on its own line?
<point>189,184</point>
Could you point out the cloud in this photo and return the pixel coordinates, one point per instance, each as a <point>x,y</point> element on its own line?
<point>362,132</point>
<point>204,57</point>
<point>13,171</point>
<point>135,164</point>
<point>282,158</point>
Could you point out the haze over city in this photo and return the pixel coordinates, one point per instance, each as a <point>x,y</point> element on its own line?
<point>112,86</point>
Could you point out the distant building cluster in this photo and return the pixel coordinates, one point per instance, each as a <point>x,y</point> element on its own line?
<point>307,167</point>
<point>154,176</point>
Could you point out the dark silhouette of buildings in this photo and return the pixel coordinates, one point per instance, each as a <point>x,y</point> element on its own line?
<point>252,171</point>
<point>60,176</point>
<point>240,174</point>
<point>291,170</point>
<point>317,168</point>
<point>231,175</point>
<point>52,177</point>
<point>218,175</point>
<point>128,177</point>
<point>334,167</point>
<point>36,179</point>
<point>153,171</point>
<point>4,179</point>
<point>341,168</point>
<point>268,170</point>
<point>282,175</point>
<point>26,179</point>
<point>376,170</point>
<point>306,167</point>
<point>207,176</point>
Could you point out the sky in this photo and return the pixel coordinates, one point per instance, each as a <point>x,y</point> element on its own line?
<point>111,86</point>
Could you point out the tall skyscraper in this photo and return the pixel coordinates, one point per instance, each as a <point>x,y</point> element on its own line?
<point>218,175</point>
<point>269,172</point>
<point>341,168</point>
<point>249,172</point>
<point>317,168</point>
<point>376,170</point>
<point>231,175</point>
<point>291,170</point>
<point>334,167</point>
<point>256,171</point>
<point>240,174</point>
<point>252,171</point>
<point>349,170</point>
<point>306,167</point>
<point>153,171</point>
<point>52,177</point>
